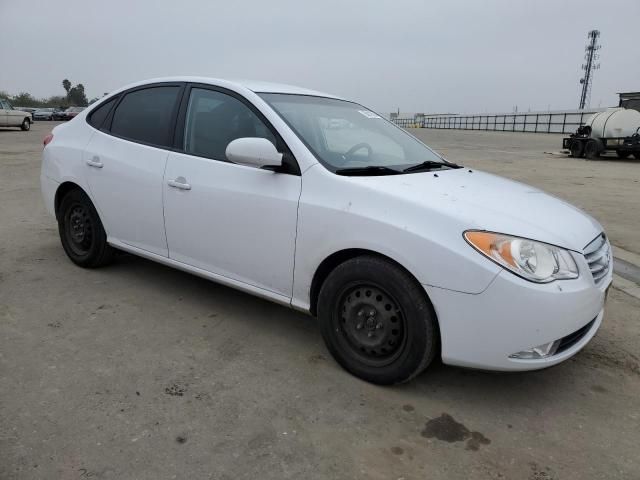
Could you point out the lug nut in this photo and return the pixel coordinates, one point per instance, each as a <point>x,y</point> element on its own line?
<point>379,326</point>
<point>361,313</point>
<point>359,326</point>
<point>369,334</point>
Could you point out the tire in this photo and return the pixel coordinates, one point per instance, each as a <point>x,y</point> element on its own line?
<point>622,154</point>
<point>577,149</point>
<point>377,321</point>
<point>26,125</point>
<point>81,233</point>
<point>637,155</point>
<point>593,148</point>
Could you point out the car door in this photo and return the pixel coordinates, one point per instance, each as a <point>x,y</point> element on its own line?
<point>13,118</point>
<point>4,108</point>
<point>125,160</point>
<point>232,220</point>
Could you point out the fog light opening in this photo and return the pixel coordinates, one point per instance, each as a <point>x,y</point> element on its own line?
<point>535,353</point>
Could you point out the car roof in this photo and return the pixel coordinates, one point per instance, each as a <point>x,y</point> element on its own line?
<point>253,85</point>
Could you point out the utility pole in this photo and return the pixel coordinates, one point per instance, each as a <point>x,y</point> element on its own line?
<point>591,56</point>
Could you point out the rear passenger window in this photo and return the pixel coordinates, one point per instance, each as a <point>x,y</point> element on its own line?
<point>96,118</point>
<point>145,115</point>
<point>215,119</point>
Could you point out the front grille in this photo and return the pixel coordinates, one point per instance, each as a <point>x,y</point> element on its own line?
<point>598,256</point>
<point>570,340</point>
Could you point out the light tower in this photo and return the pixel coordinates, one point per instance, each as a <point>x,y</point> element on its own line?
<point>591,57</point>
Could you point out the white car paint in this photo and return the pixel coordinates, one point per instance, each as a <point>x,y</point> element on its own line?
<point>267,233</point>
<point>134,176</point>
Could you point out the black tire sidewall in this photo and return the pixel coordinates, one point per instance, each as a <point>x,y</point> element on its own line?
<point>26,125</point>
<point>96,253</point>
<point>577,149</point>
<point>591,150</point>
<point>421,330</point>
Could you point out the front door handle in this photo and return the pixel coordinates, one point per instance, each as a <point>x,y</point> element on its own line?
<point>95,162</point>
<point>179,183</point>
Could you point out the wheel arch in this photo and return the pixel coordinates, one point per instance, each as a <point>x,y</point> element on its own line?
<point>62,190</point>
<point>341,256</point>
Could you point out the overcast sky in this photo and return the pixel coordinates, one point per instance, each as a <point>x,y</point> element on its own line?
<point>419,56</point>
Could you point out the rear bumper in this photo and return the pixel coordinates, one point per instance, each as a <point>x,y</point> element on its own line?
<point>49,188</point>
<point>513,315</point>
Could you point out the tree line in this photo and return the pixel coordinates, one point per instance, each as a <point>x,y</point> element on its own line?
<point>75,97</point>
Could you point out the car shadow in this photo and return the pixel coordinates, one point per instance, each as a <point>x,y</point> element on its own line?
<point>207,295</point>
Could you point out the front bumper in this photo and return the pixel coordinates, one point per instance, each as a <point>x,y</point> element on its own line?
<point>513,315</point>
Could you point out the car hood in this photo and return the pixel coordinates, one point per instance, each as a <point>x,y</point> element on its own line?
<point>484,201</point>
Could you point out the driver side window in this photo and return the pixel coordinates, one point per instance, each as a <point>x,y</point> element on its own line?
<point>214,119</point>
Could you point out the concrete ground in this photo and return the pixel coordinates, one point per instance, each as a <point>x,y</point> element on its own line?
<point>137,371</point>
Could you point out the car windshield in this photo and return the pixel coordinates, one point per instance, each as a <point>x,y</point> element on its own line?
<point>347,137</point>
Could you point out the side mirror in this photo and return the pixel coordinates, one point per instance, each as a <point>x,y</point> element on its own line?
<point>255,152</point>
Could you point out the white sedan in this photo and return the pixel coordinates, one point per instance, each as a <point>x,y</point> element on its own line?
<point>320,204</point>
<point>10,117</point>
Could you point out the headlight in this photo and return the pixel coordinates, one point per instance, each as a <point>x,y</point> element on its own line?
<point>534,261</point>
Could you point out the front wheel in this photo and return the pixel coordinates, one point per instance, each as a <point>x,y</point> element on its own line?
<point>377,321</point>
<point>26,125</point>
<point>81,233</point>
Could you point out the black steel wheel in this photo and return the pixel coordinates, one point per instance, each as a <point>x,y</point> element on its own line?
<point>577,149</point>
<point>81,233</point>
<point>377,321</point>
<point>371,324</point>
<point>26,125</point>
<point>78,229</point>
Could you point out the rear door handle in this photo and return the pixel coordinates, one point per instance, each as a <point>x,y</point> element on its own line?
<point>95,162</point>
<point>179,183</point>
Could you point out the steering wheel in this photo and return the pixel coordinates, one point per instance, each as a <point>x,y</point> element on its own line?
<point>357,147</point>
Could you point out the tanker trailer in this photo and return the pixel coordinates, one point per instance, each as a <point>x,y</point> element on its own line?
<point>615,129</point>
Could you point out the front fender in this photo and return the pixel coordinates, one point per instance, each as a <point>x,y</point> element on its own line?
<point>336,214</point>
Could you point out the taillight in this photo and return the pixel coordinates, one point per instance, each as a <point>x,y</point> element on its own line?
<point>47,139</point>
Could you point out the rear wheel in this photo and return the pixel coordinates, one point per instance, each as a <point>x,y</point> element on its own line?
<point>577,149</point>
<point>593,148</point>
<point>26,125</point>
<point>377,321</point>
<point>622,154</point>
<point>81,233</point>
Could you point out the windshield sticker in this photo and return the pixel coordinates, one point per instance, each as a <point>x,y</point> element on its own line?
<point>369,114</point>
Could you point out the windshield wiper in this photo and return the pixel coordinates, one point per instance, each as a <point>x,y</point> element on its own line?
<point>371,170</point>
<point>429,165</point>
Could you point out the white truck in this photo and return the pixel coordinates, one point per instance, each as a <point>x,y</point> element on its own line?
<point>615,130</point>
